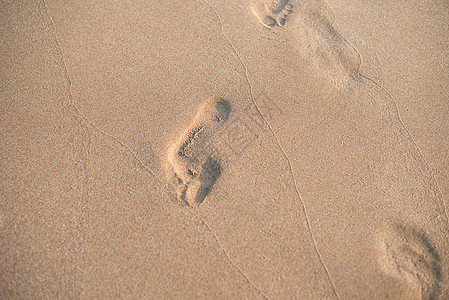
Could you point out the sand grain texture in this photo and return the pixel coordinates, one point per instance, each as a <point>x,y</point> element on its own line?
<point>211,149</point>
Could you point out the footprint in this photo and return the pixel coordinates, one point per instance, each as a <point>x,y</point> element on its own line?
<point>409,256</point>
<point>312,33</point>
<point>195,166</point>
<point>328,50</point>
<point>272,13</point>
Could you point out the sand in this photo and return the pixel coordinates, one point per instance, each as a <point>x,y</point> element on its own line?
<point>257,149</point>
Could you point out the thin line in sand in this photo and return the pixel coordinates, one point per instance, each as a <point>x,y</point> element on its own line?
<point>399,117</point>
<point>50,24</point>
<point>78,116</point>
<point>278,144</point>
<point>412,140</point>
<point>226,253</point>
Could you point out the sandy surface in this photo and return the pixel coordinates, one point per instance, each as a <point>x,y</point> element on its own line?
<point>210,149</point>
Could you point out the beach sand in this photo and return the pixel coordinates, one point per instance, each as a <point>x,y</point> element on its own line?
<point>256,149</point>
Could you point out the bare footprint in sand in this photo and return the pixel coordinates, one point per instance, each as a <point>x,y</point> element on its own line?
<point>253,210</point>
<point>409,256</point>
<point>312,33</point>
<point>272,13</point>
<point>195,170</point>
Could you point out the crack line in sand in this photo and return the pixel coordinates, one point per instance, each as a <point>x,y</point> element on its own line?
<point>399,118</point>
<point>42,11</point>
<point>49,23</point>
<point>226,253</point>
<point>332,12</point>
<point>413,141</point>
<point>76,114</point>
<point>341,36</point>
<point>278,144</point>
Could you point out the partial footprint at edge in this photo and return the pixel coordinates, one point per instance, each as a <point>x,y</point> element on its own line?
<point>272,13</point>
<point>409,256</point>
<point>313,35</point>
<point>195,169</point>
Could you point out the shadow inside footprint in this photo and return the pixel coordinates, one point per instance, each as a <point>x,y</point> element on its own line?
<point>223,108</point>
<point>210,173</point>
